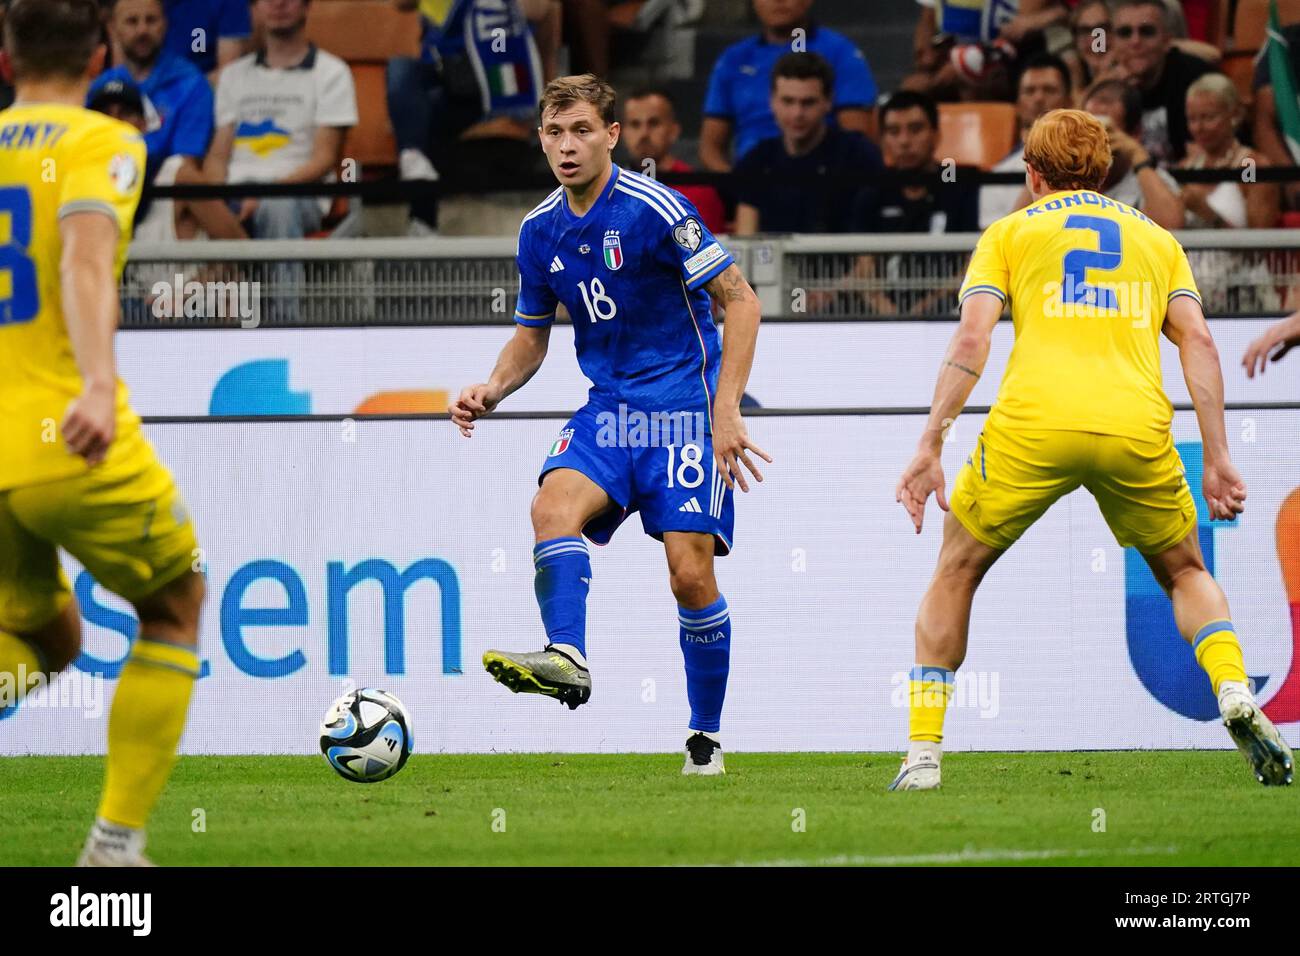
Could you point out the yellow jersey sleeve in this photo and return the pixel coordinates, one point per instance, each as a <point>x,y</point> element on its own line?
<point>989,270</point>
<point>103,170</point>
<point>1181,281</point>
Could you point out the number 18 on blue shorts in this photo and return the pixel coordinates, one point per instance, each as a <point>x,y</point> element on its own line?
<point>658,463</point>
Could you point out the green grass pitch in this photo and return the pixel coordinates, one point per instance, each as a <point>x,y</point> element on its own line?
<point>1160,808</point>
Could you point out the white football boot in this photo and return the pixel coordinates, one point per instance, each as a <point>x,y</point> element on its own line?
<point>920,771</point>
<point>703,756</point>
<point>1255,736</point>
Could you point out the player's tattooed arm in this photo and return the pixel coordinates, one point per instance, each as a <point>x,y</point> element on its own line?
<point>967,352</point>
<point>730,286</point>
<point>731,442</point>
<point>962,365</point>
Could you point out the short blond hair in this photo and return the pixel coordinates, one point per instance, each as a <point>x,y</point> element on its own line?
<point>1218,86</point>
<point>1069,149</point>
<point>563,91</point>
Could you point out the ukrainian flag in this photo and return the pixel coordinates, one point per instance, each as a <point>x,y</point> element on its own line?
<point>261,138</point>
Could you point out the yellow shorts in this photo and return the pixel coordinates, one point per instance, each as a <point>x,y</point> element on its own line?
<point>1013,476</point>
<point>123,520</point>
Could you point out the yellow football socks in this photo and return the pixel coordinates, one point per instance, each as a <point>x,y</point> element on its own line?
<point>20,668</point>
<point>930,690</point>
<point>144,728</point>
<point>1219,653</point>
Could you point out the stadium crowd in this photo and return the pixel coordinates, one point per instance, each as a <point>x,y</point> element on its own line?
<point>248,91</point>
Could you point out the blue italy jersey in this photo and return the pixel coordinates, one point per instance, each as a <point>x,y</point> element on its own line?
<point>631,273</point>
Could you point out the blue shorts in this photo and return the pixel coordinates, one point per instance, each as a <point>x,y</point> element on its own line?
<point>660,464</point>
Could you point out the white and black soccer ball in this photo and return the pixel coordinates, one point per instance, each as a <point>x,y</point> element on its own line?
<point>366,735</point>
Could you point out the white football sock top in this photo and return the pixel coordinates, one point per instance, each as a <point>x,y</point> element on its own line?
<point>1234,686</point>
<point>572,652</point>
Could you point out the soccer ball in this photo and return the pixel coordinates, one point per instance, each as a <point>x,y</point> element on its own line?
<point>366,735</point>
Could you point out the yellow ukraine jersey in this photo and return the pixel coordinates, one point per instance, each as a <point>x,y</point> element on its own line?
<point>54,160</point>
<point>1088,280</point>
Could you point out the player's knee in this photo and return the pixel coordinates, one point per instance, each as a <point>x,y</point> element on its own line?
<point>963,570</point>
<point>1183,574</point>
<point>693,586</point>
<point>1171,569</point>
<point>551,518</point>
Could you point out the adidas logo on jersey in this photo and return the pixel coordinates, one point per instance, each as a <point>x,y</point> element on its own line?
<point>557,265</point>
<point>692,506</point>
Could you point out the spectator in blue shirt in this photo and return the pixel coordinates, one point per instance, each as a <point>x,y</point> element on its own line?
<point>810,158</point>
<point>737,108</point>
<point>177,97</point>
<point>208,33</point>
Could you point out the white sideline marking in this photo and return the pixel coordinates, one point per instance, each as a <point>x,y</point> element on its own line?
<point>964,856</point>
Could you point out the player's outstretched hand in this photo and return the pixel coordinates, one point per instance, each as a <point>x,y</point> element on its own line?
<point>1224,491</point>
<point>730,445</point>
<point>91,422</point>
<point>923,476</point>
<point>1277,340</point>
<point>474,402</point>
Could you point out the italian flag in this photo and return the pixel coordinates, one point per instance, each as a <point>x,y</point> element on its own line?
<point>508,79</point>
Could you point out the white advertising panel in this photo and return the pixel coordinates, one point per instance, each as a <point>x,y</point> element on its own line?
<point>394,553</point>
<point>341,371</point>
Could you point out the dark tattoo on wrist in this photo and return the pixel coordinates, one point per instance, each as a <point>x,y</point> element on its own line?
<point>968,371</point>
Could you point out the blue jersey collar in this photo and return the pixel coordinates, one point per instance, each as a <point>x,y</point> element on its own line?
<point>569,215</point>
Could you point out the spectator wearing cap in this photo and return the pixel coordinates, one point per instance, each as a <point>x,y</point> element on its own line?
<point>738,106</point>
<point>176,97</point>
<point>167,220</point>
<point>282,115</point>
<point>1044,85</point>
<point>809,159</point>
<point>208,33</point>
<point>650,131</point>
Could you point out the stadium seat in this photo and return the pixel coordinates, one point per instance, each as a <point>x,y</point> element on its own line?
<point>369,31</point>
<point>1250,25</point>
<point>976,134</point>
<point>366,33</point>
<point>371,141</point>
